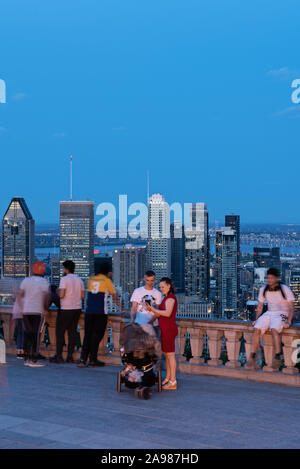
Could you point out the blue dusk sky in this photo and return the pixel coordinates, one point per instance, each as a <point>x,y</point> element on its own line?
<point>196,91</point>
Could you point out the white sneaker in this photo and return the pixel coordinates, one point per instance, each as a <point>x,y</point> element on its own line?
<point>36,364</point>
<point>27,362</point>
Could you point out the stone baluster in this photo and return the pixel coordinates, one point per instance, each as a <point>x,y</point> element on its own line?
<point>8,328</point>
<point>50,318</point>
<point>290,352</point>
<point>196,339</point>
<point>77,351</point>
<point>181,338</point>
<point>2,354</point>
<point>248,335</point>
<point>268,352</point>
<point>116,326</point>
<point>233,346</point>
<point>102,351</point>
<point>214,345</point>
<point>81,328</point>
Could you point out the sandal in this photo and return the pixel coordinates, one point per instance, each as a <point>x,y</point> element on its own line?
<point>165,381</point>
<point>172,385</point>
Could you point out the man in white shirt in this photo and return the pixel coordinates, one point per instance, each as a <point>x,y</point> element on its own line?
<point>71,293</point>
<point>34,292</point>
<point>149,294</point>
<point>279,315</point>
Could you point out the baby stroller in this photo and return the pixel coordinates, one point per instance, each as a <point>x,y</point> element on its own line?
<point>141,363</point>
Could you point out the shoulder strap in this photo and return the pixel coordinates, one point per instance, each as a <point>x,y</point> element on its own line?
<point>264,292</point>
<point>282,290</point>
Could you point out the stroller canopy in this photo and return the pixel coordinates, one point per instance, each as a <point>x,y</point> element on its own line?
<point>134,339</point>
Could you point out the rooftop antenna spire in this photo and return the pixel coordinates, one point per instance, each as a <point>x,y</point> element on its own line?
<point>71,177</point>
<point>148,193</point>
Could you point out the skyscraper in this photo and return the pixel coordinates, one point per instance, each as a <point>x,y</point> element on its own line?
<point>159,243</point>
<point>76,235</point>
<point>226,273</point>
<point>177,255</point>
<point>266,258</point>
<point>128,265</point>
<point>55,270</point>
<point>17,239</point>
<point>233,221</point>
<point>197,252</point>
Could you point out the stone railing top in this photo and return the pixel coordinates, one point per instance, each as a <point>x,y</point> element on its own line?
<point>221,324</point>
<point>8,309</point>
<point>224,324</point>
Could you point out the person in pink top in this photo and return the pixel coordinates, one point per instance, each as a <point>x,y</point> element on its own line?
<point>71,293</point>
<point>34,296</point>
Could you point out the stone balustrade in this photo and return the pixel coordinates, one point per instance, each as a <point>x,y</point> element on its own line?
<point>115,321</point>
<point>215,333</point>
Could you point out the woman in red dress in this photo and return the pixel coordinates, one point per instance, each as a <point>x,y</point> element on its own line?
<point>167,323</point>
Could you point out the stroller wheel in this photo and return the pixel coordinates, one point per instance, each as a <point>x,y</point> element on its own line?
<point>143,393</point>
<point>159,384</point>
<point>119,388</point>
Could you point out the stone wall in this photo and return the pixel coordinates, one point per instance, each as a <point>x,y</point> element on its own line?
<point>217,335</point>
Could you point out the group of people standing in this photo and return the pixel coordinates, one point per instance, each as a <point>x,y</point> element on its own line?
<point>153,310</point>
<point>35,297</point>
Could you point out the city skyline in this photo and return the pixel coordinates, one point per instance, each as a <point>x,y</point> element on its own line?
<point>150,228</point>
<point>205,120</point>
<point>206,279</point>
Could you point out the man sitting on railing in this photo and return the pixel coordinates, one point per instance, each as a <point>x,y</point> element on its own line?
<point>279,315</point>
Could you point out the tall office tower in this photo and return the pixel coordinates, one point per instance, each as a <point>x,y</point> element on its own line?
<point>128,265</point>
<point>197,252</point>
<point>55,271</point>
<point>76,236</point>
<point>233,221</point>
<point>266,258</point>
<point>17,240</point>
<point>295,287</point>
<point>159,243</point>
<point>177,255</point>
<point>226,273</point>
<point>286,268</point>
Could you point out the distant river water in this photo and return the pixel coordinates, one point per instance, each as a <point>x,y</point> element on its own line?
<point>42,253</point>
<point>287,250</point>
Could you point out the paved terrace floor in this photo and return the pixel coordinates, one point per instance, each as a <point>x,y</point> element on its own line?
<point>62,406</point>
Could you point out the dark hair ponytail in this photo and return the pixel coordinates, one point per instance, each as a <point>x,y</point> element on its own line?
<point>169,282</point>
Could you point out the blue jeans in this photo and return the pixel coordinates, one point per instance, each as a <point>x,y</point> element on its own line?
<point>20,334</point>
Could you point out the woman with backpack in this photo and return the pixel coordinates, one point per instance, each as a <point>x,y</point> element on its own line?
<point>279,315</point>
